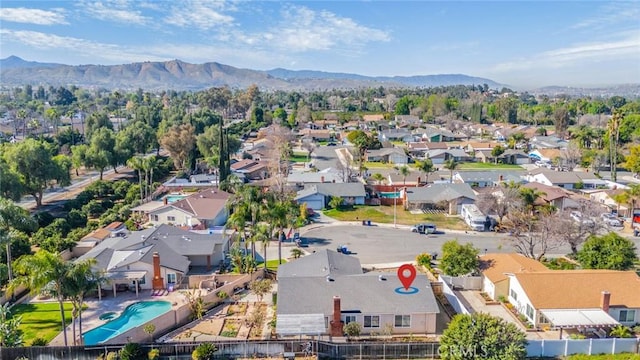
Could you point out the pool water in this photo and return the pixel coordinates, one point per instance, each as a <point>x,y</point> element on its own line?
<point>174,198</point>
<point>134,315</point>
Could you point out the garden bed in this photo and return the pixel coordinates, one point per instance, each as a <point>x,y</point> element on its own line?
<point>230,328</point>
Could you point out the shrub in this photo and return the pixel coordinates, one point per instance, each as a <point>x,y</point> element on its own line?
<point>93,208</point>
<point>39,342</point>
<point>502,299</point>
<point>131,351</point>
<point>154,354</point>
<point>424,259</point>
<point>352,329</point>
<point>204,351</point>
<point>222,295</point>
<point>577,337</point>
<point>76,219</point>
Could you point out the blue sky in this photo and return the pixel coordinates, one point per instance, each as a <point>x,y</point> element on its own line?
<point>523,44</point>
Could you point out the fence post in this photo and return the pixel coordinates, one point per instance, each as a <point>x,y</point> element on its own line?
<point>590,346</point>
<point>613,346</point>
<point>408,350</point>
<point>566,347</point>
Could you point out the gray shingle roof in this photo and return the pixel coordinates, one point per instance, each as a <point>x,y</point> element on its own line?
<point>341,189</point>
<point>322,263</point>
<point>440,192</point>
<point>363,293</point>
<point>490,176</point>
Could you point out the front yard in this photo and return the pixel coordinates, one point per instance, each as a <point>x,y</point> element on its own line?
<point>384,214</point>
<point>41,320</point>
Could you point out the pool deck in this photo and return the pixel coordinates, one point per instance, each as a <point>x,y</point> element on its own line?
<point>95,308</point>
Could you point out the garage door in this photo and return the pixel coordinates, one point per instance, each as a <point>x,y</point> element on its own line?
<point>315,204</point>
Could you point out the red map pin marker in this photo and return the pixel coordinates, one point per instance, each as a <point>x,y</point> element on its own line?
<point>406,274</point>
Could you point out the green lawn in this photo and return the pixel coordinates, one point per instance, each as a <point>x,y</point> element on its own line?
<point>487,166</point>
<point>41,320</point>
<point>271,264</point>
<point>299,157</point>
<point>384,214</point>
<point>377,165</point>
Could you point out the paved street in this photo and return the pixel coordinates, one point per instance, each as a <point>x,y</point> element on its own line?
<point>384,244</point>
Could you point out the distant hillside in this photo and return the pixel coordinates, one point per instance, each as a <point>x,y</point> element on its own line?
<point>180,75</point>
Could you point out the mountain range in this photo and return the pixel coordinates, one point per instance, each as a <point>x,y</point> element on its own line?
<point>180,75</point>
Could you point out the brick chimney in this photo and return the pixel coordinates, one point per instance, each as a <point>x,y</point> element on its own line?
<point>605,299</point>
<point>158,281</point>
<point>165,201</point>
<point>336,323</point>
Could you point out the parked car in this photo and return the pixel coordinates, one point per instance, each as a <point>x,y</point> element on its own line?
<point>343,249</point>
<point>424,229</point>
<point>302,242</point>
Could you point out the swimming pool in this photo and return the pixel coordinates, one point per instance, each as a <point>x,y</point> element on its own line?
<point>132,316</point>
<point>173,198</point>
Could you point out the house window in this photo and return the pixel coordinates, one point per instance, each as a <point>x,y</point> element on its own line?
<point>349,319</point>
<point>371,321</point>
<point>154,218</point>
<point>513,294</point>
<point>529,311</point>
<point>171,218</point>
<point>627,316</point>
<point>171,278</point>
<point>402,321</point>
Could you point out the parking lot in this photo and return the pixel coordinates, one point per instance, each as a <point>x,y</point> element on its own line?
<point>376,245</point>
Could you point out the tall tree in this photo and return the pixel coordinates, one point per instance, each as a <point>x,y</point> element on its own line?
<point>179,141</point>
<point>13,219</point>
<point>451,165</point>
<point>34,161</point>
<point>43,271</point>
<point>613,127</point>
<point>81,279</point>
<point>426,167</point>
<point>458,259</point>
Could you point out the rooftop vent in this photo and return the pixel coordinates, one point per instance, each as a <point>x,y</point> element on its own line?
<point>329,279</point>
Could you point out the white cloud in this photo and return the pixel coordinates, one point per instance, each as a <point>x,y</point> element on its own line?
<point>117,11</point>
<point>626,46</point>
<point>33,16</point>
<point>302,29</point>
<point>80,47</point>
<point>611,14</point>
<point>202,15</point>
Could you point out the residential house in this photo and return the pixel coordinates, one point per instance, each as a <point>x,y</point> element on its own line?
<point>441,156</point>
<point>204,179</point>
<point>448,197</point>
<point>89,241</point>
<point>606,197</point>
<point>373,118</point>
<point>318,135</point>
<point>545,155</point>
<point>514,157</point>
<point>553,195</point>
<point>547,142</point>
<point>496,267</point>
<point>318,196</point>
<point>332,288</point>
<point>587,299</point>
<point>250,169</point>
<point>328,175</point>
<point>433,134</point>
<point>392,155</point>
<point>403,135</point>
<point>202,210</point>
<point>156,258</point>
<point>471,146</point>
<point>487,178</point>
<point>565,179</point>
<point>407,120</point>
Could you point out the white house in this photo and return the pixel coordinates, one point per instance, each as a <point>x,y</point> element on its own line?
<point>587,299</point>
<point>202,210</point>
<point>496,267</point>
<point>318,196</point>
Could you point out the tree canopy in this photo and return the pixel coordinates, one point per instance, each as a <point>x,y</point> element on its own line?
<point>458,259</point>
<point>482,336</point>
<point>610,251</point>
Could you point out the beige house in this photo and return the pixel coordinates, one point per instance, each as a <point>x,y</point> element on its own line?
<point>202,210</point>
<point>495,267</point>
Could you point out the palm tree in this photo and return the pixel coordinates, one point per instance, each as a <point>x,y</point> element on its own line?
<point>137,163</point>
<point>43,271</point>
<point>426,167</point>
<point>296,253</point>
<point>379,178</point>
<point>150,164</point>
<point>404,171</point>
<point>614,136</point>
<point>629,196</point>
<point>451,165</point>
<point>529,197</point>
<point>261,233</point>
<point>81,279</point>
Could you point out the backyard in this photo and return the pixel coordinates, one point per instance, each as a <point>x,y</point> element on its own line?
<point>384,214</point>
<point>272,264</point>
<point>41,320</point>
<point>299,157</point>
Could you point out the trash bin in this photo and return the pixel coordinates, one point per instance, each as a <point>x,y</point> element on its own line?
<point>369,222</point>
<point>364,222</point>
